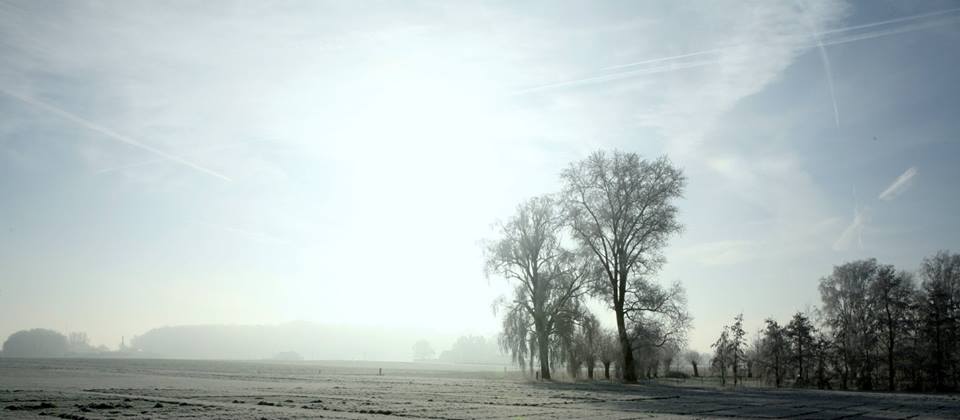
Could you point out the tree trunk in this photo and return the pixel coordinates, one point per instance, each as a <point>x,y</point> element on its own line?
<point>800,358</point>
<point>606,370</point>
<point>891,370</point>
<point>543,345</point>
<point>778,377</point>
<point>629,370</point>
<point>590,371</point>
<point>844,372</point>
<point>532,346</point>
<point>938,345</point>
<point>696,373</point>
<point>736,371</point>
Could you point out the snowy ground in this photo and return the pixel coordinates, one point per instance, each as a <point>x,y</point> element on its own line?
<point>94,389</point>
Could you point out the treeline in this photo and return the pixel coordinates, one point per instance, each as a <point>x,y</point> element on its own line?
<point>877,329</point>
<point>471,349</point>
<point>252,342</point>
<point>42,342</point>
<point>601,235</point>
<point>290,340</point>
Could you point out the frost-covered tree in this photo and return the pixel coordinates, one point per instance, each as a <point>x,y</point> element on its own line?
<point>622,213</point>
<point>549,278</point>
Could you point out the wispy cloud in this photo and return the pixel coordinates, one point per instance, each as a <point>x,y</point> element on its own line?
<point>719,253</point>
<point>218,148</point>
<point>899,185</point>
<point>666,68</point>
<point>109,133</point>
<point>821,39</point>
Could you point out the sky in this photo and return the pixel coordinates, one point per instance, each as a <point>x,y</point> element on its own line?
<point>169,163</point>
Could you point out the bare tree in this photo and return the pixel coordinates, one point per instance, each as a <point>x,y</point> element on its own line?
<point>775,350</point>
<point>668,354</point>
<point>548,276</point>
<point>721,355</point>
<point>693,357</point>
<point>891,296</point>
<point>737,346</point>
<point>609,351</point>
<point>847,313</point>
<point>620,208</point>
<point>753,355</point>
<point>800,333</point>
<point>590,342</point>
<point>822,346</point>
<point>941,317</point>
<point>565,346</point>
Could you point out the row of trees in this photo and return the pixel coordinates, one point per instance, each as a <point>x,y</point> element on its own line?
<point>580,345</point>
<point>601,236</point>
<point>877,328</point>
<point>41,342</point>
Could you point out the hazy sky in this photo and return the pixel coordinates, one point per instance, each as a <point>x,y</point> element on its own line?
<point>209,162</point>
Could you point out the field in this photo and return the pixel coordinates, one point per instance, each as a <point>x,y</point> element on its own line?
<point>97,389</point>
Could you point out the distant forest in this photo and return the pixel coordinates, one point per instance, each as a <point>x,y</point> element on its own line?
<point>290,342</point>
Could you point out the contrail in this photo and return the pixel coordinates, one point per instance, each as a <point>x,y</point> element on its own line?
<point>662,59</point>
<point>827,71</point>
<point>820,43</point>
<point>111,134</point>
<point>890,31</point>
<point>889,21</point>
<point>615,76</point>
<point>817,35</point>
<point>157,160</point>
<point>899,185</point>
<point>825,59</point>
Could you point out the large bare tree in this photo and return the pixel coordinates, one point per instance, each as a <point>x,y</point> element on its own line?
<point>848,314</point>
<point>550,279</point>
<point>621,212</point>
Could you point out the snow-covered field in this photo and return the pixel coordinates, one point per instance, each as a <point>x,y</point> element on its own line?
<point>94,389</point>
